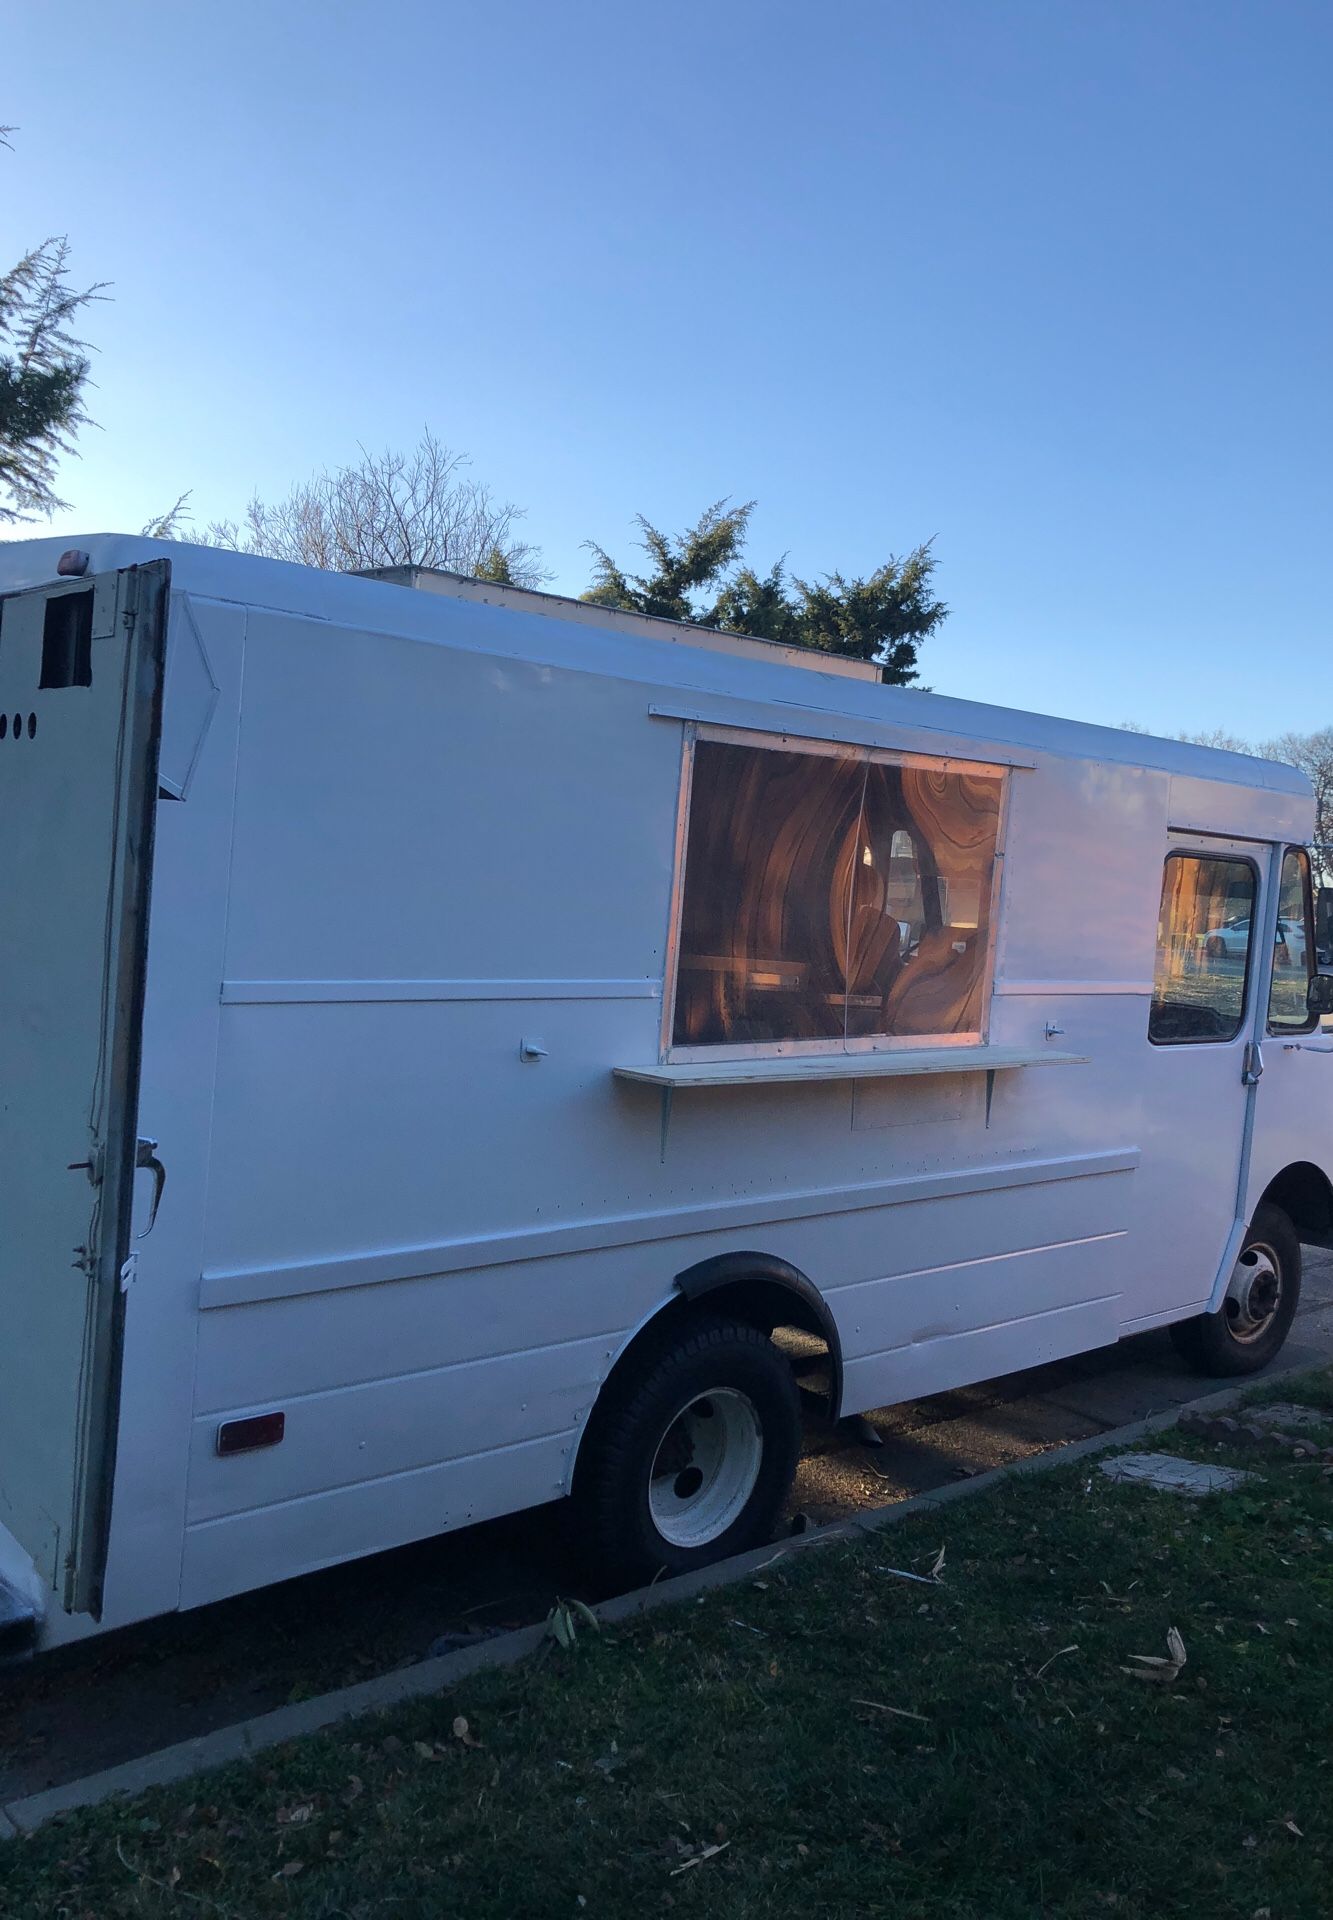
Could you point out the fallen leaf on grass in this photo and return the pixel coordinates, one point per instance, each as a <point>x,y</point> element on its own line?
<point>697,1860</point>
<point>1291,1827</point>
<point>463,1732</point>
<point>879,1707</point>
<point>1151,1666</point>
<point>562,1622</point>
<point>289,1868</point>
<point>1054,1657</point>
<point>938,1567</point>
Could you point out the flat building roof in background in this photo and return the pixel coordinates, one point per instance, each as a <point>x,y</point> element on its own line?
<point>560,606</point>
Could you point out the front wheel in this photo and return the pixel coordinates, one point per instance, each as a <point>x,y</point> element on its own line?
<point>690,1452</point>
<point>1256,1313</point>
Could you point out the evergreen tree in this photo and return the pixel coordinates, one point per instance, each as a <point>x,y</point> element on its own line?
<point>698,576</point>
<point>43,372</point>
<point>683,567</point>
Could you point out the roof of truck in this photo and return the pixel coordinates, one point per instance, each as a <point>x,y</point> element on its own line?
<point>477,616</point>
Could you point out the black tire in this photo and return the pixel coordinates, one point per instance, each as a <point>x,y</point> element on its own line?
<point>640,1407</point>
<point>1218,1343</point>
<point>1215,948</point>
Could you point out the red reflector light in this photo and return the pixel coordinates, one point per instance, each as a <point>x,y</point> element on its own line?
<point>260,1430</point>
<point>72,561</point>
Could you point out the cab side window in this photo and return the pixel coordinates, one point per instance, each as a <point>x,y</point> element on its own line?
<point>1203,949</point>
<point>1293,951</point>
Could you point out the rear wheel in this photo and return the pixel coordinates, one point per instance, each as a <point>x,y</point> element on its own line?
<point>1256,1313</point>
<point>690,1452</point>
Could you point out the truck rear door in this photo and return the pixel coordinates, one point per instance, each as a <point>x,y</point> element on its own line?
<point>80,718</point>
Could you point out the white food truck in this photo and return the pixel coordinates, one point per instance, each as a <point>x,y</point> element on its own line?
<point>447,1032</point>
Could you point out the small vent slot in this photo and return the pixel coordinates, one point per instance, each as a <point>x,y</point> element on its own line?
<point>67,641</point>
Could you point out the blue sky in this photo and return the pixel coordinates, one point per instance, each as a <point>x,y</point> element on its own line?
<point>1048,282</point>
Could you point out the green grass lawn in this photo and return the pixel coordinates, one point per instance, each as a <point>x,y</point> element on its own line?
<point>826,1740</point>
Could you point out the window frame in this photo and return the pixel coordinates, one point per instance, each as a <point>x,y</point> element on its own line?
<point>1311,1020</point>
<point>821,745</point>
<point>1256,912</point>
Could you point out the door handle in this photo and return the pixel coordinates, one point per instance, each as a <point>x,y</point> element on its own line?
<point>145,1157</point>
<point>1253,1065</point>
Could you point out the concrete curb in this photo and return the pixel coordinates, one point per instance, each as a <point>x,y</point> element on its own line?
<point>250,1737</point>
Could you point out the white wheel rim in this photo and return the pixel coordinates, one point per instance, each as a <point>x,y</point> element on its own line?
<point>705,1468</point>
<point>1255,1293</point>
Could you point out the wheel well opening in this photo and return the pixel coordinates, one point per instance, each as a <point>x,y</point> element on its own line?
<point>767,1294</point>
<point>763,1304</point>
<point>1305,1195</point>
<point>781,1302</point>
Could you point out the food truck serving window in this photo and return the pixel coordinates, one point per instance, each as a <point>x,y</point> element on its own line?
<point>832,896</point>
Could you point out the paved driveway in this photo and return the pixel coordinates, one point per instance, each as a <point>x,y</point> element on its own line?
<point>928,1442</point>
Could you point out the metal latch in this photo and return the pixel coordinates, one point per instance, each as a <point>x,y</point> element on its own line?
<point>1253,1065</point>
<point>145,1158</point>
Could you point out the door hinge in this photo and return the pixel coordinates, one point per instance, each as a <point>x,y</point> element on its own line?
<point>92,1166</point>
<point>1253,1064</point>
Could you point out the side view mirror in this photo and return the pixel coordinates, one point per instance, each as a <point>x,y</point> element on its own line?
<point>1319,997</point>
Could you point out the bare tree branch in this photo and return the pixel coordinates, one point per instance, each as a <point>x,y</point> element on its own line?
<point>390,509</point>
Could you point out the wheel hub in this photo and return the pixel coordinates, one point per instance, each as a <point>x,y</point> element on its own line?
<point>705,1468</point>
<point>1255,1293</point>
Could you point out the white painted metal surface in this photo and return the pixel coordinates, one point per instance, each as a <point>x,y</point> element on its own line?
<point>80,684</point>
<point>706,1468</point>
<point>408,962</point>
<point>792,1070</point>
